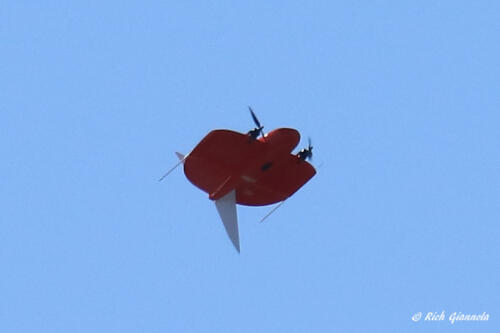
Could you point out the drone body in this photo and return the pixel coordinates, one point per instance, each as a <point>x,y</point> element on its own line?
<point>236,168</point>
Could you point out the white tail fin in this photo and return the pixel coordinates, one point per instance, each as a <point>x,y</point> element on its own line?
<point>180,156</point>
<point>226,206</point>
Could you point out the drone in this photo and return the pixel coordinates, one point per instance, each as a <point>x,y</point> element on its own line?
<point>250,169</point>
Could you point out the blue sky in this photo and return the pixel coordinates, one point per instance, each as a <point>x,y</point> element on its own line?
<point>401,100</point>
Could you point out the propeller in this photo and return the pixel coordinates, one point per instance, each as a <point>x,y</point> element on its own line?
<point>254,134</point>
<point>306,153</point>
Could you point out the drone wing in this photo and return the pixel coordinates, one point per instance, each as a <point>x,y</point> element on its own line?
<point>220,158</point>
<point>283,177</point>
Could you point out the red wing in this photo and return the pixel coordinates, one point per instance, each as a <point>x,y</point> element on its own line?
<point>221,154</point>
<point>261,172</point>
<point>274,181</point>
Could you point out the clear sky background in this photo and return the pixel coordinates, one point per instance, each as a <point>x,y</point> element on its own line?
<point>400,98</point>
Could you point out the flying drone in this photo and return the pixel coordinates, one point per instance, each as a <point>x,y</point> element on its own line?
<point>251,169</point>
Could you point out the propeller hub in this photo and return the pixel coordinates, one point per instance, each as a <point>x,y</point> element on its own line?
<point>306,153</point>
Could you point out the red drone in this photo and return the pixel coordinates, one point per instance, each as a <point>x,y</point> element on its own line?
<point>236,168</point>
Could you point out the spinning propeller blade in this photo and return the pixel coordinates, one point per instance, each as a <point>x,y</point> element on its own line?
<point>255,120</point>
<point>310,148</point>
<point>258,130</point>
